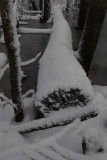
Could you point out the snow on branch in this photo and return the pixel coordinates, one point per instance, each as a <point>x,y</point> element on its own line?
<point>54,121</point>
<point>34,30</point>
<point>28,93</point>
<point>2,104</point>
<point>31,60</point>
<point>3,70</point>
<point>8,101</point>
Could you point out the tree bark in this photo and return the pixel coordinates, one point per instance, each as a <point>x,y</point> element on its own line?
<point>45,7</point>
<point>83,9</point>
<point>68,5</point>
<point>13,49</point>
<point>34,7</point>
<point>91,32</point>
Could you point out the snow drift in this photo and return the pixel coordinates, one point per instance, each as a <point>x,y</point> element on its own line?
<point>62,82</point>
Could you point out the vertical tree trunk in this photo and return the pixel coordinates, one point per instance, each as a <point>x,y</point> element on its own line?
<point>34,7</point>
<point>41,4</point>
<point>13,49</point>
<point>91,32</point>
<point>68,6</point>
<point>83,9</point>
<point>46,5</point>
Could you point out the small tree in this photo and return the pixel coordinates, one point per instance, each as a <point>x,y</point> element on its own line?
<point>91,32</point>
<point>13,49</point>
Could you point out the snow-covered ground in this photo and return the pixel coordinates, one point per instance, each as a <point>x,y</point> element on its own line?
<point>59,143</point>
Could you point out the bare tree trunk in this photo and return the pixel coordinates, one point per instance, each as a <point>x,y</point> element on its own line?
<point>34,7</point>
<point>41,4</point>
<point>68,5</point>
<point>13,49</point>
<point>91,32</point>
<point>83,9</point>
<point>45,6</point>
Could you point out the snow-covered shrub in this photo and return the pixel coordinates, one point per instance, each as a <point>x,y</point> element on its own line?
<point>3,60</point>
<point>62,81</point>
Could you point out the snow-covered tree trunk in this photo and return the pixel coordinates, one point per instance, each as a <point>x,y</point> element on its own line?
<point>45,6</point>
<point>13,49</point>
<point>83,9</point>
<point>91,32</point>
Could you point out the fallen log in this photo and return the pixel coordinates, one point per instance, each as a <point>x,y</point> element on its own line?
<point>53,121</point>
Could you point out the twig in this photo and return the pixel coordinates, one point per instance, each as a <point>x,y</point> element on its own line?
<point>28,93</point>
<point>8,101</point>
<point>2,71</point>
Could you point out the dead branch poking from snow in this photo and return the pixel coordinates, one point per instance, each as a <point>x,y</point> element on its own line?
<point>68,154</point>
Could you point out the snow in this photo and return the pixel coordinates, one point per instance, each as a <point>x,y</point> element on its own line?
<point>3,66</point>
<point>31,60</point>
<point>33,30</point>
<point>2,71</point>
<point>3,60</point>
<point>58,66</point>
<point>2,39</point>
<point>9,139</point>
<point>23,23</point>
<point>30,17</point>
<point>60,143</point>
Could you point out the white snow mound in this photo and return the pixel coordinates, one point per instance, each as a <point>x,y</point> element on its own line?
<point>58,66</point>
